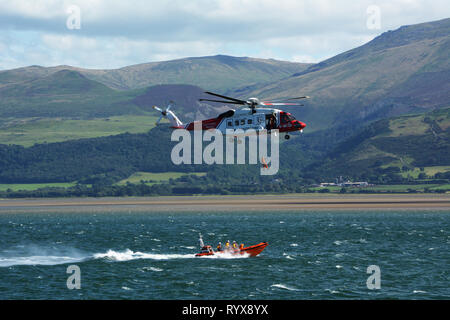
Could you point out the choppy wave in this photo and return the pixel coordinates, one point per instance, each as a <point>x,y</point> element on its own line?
<point>283,286</point>
<point>152,269</point>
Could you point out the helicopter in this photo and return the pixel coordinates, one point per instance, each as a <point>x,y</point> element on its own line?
<point>254,114</point>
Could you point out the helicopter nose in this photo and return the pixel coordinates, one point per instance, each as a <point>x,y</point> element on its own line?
<point>300,125</point>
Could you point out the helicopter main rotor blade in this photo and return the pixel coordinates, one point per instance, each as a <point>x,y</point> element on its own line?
<point>269,103</point>
<point>297,98</point>
<point>225,97</point>
<point>228,102</point>
<point>288,99</point>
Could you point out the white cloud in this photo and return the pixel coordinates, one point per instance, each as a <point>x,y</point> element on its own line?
<point>115,33</point>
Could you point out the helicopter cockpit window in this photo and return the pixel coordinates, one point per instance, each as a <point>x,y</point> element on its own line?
<point>242,121</point>
<point>229,123</point>
<point>286,118</point>
<point>249,121</point>
<point>236,123</point>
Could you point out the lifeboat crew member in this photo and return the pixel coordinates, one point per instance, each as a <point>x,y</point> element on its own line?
<point>227,245</point>
<point>219,247</point>
<point>234,245</point>
<point>241,246</point>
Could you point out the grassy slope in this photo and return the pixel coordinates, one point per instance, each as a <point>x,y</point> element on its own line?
<point>64,94</point>
<point>29,131</point>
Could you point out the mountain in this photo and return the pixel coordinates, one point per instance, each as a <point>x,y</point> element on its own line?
<point>219,72</point>
<point>64,93</point>
<point>70,94</point>
<point>398,72</point>
<point>395,145</point>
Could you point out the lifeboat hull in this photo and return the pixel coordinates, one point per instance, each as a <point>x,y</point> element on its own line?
<point>252,251</point>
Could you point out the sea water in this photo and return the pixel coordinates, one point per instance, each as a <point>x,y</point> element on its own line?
<point>151,255</point>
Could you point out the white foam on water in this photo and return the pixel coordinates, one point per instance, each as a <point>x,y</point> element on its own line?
<point>188,247</point>
<point>332,291</point>
<point>45,256</point>
<point>22,255</point>
<point>38,260</point>
<point>152,269</point>
<point>283,286</point>
<point>133,255</point>
<point>419,291</point>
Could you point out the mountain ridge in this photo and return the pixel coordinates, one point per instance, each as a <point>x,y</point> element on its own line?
<point>227,71</point>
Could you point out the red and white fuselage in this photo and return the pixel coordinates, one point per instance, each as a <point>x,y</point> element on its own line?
<point>245,118</point>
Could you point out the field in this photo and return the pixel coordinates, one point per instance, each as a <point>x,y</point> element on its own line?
<point>151,178</point>
<point>27,132</point>
<point>34,186</point>
<point>429,171</point>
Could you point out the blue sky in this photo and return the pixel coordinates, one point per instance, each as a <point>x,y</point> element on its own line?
<point>115,33</point>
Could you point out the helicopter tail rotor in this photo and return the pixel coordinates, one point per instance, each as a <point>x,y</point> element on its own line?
<point>175,122</point>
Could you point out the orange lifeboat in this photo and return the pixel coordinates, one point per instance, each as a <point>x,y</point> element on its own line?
<point>252,251</point>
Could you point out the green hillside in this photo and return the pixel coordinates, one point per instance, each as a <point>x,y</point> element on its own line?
<point>405,146</point>
<point>64,94</point>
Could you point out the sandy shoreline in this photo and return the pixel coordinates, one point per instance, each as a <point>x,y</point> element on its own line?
<point>214,203</point>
